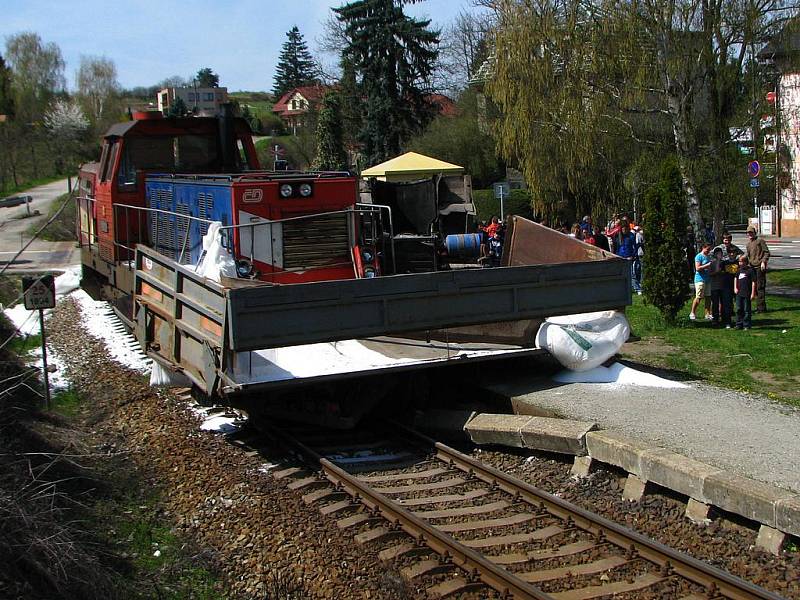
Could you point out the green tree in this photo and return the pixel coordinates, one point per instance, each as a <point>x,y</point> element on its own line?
<point>571,76</point>
<point>178,108</point>
<point>206,78</point>
<point>38,73</point>
<point>460,140</point>
<point>6,94</point>
<point>665,267</point>
<point>331,155</point>
<point>296,66</point>
<point>392,56</point>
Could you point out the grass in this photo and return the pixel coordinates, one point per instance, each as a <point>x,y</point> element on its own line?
<point>135,526</point>
<point>66,402</point>
<point>63,228</point>
<point>764,360</point>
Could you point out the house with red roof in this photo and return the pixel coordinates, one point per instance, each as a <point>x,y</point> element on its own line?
<point>293,107</point>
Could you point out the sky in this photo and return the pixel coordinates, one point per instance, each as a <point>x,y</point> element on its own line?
<point>150,40</point>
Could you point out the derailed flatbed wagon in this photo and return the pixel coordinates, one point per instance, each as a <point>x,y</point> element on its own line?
<point>230,340</point>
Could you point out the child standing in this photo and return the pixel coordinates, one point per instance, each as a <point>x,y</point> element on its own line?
<point>744,286</point>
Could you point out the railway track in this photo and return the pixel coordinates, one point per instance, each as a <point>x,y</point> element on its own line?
<point>458,528</point>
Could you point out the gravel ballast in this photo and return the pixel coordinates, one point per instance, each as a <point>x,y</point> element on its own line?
<point>262,536</point>
<point>724,544</point>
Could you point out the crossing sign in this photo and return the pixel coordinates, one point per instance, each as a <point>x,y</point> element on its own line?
<point>39,292</point>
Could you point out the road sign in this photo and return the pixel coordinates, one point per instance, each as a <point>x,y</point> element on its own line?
<point>771,97</point>
<point>39,292</point>
<point>502,189</point>
<point>754,168</point>
<point>754,183</point>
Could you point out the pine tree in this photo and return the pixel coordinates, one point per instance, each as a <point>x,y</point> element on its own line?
<point>6,94</point>
<point>393,57</point>
<point>206,78</point>
<point>178,108</point>
<point>296,66</point>
<point>331,155</point>
<point>665,267</point>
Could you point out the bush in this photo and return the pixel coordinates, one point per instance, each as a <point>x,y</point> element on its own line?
<point>665,267</point>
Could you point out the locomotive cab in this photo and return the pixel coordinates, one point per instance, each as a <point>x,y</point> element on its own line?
<point>111,219</point>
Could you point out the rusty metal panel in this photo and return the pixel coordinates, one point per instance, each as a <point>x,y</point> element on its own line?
<point>528,243</point>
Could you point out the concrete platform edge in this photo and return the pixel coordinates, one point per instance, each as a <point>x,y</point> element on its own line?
<point>705,484</point>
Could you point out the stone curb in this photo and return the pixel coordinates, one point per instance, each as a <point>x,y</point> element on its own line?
<point>777,510</point>
<point>706,486</point>
<point>535,433</point>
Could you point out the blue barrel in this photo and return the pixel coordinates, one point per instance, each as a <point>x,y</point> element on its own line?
<point>465,245</point>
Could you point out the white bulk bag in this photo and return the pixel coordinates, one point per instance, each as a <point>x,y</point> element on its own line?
<point>585,341</point>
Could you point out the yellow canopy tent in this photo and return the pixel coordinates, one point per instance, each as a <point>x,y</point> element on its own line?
<point>411,166</point>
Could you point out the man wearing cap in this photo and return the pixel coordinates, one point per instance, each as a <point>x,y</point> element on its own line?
<point>758,257</point>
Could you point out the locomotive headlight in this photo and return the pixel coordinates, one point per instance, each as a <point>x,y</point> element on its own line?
<point>370,273</point>
<point>366,256</point>
<point>286,190</point>
<point>305,190</point>
<point>244,268</point>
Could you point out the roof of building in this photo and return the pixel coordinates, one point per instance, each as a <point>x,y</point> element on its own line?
<point>444,105</point>
<point>412,163</point>
<point>312,94</point>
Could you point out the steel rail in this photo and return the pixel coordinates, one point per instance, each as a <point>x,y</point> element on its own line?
<point>670,562</point>
<point>716,581</point>
<point>473,563</point>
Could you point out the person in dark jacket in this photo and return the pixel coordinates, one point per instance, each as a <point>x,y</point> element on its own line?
<point>745,288</point>
<point>758,257</point>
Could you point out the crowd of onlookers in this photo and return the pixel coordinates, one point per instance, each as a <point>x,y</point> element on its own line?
<point>725,276</point>
<point>621,235</point>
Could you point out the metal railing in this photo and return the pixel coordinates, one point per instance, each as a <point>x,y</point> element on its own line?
<point>148,229</point>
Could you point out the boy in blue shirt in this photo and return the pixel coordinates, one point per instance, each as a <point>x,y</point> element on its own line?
<point>702,268</point>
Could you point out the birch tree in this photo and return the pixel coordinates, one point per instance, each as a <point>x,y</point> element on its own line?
<point>96,80</point>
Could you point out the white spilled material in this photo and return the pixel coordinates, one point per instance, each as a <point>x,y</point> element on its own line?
<point>27,321</point>
<point>337,358</point>
<point>99,321</point>
<point>216,260</point>
<point>56,376</point>
<point>214,421</point>
<point>617,374</point>
<point>162,377</point>
<point>584,341</point>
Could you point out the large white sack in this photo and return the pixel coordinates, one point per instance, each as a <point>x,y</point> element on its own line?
<point>215,261</point>
<point>584,341</point>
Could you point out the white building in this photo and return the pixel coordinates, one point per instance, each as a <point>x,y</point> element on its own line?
<point>202,101</point>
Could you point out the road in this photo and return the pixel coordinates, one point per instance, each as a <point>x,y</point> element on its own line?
<point>785,251</point>
<point>14,228</point>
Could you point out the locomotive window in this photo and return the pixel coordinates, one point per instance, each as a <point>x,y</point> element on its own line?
<point>109,158</point>
<point>195,152</point>
<point>166,154</point>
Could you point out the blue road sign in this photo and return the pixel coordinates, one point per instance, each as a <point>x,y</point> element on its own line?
<point>754,182</point>
<point>502,189</point>
<point>754,168</point>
